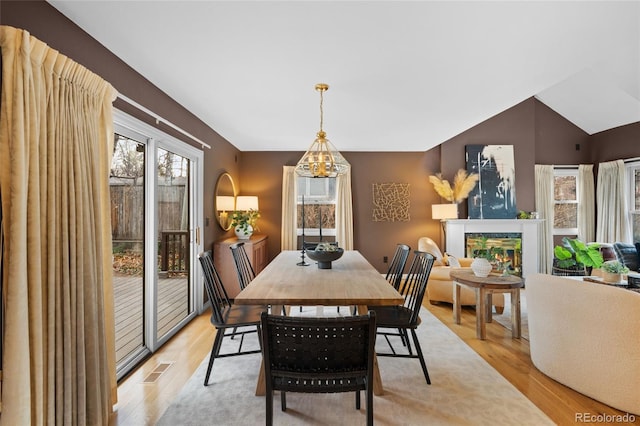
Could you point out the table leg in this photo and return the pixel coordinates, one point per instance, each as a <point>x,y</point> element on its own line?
<point>488,313</point>
<point>515,313</point>
<point>481,331</point>
<point>377,379</point>
<point>456,302</point>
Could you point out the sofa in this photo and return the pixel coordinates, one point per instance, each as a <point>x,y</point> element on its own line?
<point>440,284</point>
<point>585,335</point>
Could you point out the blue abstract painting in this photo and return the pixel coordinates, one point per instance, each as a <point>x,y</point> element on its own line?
<point>494,197</point>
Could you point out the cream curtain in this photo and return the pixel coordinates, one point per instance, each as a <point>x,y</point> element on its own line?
<point>344,211</point>
<point>288,236</point>
<point>612,221</point>
<point>56,141</point>
<point>587,205</point>
<point>544,206</point>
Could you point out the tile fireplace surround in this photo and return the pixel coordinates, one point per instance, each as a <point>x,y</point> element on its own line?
<point>529,228</point>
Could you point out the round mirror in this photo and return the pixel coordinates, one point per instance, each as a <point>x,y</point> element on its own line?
<point>225,200</point>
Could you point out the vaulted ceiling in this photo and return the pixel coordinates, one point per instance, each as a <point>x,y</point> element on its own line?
<point>403,76</point>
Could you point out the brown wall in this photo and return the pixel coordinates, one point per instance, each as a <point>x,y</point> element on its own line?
<point>619,143</point>
<point>538,134</point>
<point>44,22</point>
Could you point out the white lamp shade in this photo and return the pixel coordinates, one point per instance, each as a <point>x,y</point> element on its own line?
<point>444,211</point>
<point>225,203</point>
<point>246,202</point>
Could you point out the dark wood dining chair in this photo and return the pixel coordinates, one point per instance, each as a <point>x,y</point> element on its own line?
<point>243,319</point>
<point>405,318</point>
<point>318,355</point>
<point>245,271</point>
<point>397,265</point>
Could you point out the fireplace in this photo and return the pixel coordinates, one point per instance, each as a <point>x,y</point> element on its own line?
<point>457,231</point>
<point>504,249</point>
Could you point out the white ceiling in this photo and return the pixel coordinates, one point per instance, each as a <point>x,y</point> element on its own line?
<point>403,76</point>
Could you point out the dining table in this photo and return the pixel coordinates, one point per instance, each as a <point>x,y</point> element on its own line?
<point>351,281</point>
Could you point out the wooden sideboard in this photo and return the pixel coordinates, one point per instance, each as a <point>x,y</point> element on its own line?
<point>256,247</point>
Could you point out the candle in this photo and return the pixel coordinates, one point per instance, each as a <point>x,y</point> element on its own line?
<point>320,214</point>
<point>303,222</point>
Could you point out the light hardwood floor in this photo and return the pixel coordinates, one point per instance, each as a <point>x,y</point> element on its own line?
<point>143,404</point>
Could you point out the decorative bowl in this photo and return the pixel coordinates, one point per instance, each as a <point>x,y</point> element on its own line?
<point>325,257</point>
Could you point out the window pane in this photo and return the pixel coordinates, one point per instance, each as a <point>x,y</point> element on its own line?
<point>635,218</point>
<point>565,216</point>
<point>564,188</point>
<point>637,190</point>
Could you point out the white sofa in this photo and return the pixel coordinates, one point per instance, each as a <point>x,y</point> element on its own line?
<point>586,336</point>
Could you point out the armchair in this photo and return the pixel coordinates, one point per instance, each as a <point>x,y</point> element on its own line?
<point>440,284</point>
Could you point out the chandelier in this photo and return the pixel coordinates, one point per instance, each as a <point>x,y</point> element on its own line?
<point>322,159</point>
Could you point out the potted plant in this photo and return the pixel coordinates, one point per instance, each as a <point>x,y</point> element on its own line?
<point>482,258</point>
<point>244,223</point>
<point>574,257</point>
<point>613,270</point>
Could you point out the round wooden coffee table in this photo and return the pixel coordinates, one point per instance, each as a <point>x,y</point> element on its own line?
<point>484,287</point>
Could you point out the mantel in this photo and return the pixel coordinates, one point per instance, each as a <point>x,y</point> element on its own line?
<point>529,228</point>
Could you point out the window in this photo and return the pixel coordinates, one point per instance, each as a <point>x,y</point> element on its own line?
<point>633,173</point>
<point>565,195</point>
<point>319,206</point>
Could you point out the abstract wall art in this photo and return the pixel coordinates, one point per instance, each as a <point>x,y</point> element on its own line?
<point>494,197</point>
<point>391,202</point>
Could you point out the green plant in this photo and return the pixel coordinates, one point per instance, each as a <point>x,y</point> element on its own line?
<point>242,220</point>
<point>573,252</point>
<point>481,249</point>
<point>614,267</point>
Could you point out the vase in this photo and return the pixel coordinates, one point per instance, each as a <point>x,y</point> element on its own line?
<point>243,234</point>
<point>481,267</point>
<point>611,277</point>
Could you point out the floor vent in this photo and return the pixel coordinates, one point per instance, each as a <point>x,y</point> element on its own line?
<point>157,372</point>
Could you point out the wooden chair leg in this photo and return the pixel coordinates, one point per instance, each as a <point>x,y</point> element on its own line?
<point>283,400</point>
<point>357,400</point>
<point>269,401</point>
<point>215,350</point>
<point>369,405</point>
<point>420,356</point>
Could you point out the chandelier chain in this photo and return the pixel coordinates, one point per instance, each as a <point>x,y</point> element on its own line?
<point>321,109</point>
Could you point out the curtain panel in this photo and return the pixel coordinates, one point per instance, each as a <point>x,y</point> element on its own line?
<point>289,236</point>
<point>544,206</point>
<point>56,138</point>
<point>612,223</point>
<point>587,206</point>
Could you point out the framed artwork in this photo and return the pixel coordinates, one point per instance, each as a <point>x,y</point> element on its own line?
<point>391,202</point>
<point>494,197</point>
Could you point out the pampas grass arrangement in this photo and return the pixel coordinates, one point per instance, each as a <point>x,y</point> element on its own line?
<point>463,184</point>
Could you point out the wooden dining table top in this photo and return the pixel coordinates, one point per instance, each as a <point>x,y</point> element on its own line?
<point>351,281</point>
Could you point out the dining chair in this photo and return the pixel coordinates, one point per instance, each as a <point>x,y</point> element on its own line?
<point>318,355</point>
<point>405,317</point>
<point>395,270</point>
<point>397,265</point>
<point>226,315</point>
<point>245,271</point>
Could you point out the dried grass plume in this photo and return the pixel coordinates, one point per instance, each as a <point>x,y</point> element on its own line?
<point>463,184</point>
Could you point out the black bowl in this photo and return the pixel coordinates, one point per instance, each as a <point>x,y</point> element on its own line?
<point>325,257</point>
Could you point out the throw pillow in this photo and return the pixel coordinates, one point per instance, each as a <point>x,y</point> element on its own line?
<point>453,261</point>
<point>627,254</point>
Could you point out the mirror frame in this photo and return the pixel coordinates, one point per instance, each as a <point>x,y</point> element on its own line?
<point>225,226</point>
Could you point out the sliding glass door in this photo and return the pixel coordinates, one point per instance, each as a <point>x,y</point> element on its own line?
<point>156,184</point>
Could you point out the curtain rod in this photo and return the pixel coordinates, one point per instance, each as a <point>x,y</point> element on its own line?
<point>160,119</point>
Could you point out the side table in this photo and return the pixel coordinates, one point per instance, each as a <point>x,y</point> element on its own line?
<point>484,287</point>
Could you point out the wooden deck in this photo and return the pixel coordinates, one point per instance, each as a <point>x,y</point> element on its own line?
<point>173,306</point>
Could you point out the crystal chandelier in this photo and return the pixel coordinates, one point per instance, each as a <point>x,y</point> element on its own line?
<point>322,159</point>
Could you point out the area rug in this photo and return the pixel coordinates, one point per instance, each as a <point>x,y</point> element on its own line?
<point>504,318</point>
<point>465,390</point>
